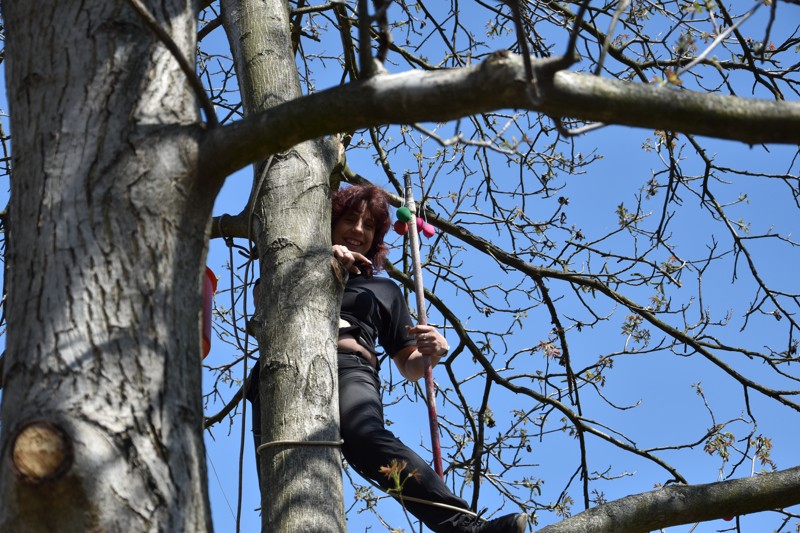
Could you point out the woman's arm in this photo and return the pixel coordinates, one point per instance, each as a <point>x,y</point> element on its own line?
<point>410,361</point>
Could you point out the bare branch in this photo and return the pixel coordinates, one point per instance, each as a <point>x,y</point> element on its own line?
<point>497,83</point>
<point>686,504</point>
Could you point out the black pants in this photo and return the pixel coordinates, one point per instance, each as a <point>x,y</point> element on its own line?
<point>368,445</point>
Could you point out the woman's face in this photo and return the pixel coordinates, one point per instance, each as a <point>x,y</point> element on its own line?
<point>355,229</point>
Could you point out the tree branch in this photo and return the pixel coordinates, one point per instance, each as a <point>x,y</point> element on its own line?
<point>497,83</point>
<point>686,504</point>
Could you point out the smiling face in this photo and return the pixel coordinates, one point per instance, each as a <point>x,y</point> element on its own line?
<point>371,203</point>
<point>355,229</point>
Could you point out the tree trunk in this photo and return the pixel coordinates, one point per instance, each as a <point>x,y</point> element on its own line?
<point>102,414</point>
<point>300,296</point>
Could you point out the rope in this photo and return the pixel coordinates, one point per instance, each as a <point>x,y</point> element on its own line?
<point>298,443</point>
<point>432,504</point>
<point>251,207</point>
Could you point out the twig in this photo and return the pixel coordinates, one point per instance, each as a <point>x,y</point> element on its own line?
<point>460,139</point>
<point>232,403</point>
<point>573,36</point>
<point>524,49</point>
<point>208,28</point>
<point>623,5</point>
<point>318,9</point>
<point>721,37</point>
<point>366,64</point>
<point>566,132</point>
<point>384,35</point>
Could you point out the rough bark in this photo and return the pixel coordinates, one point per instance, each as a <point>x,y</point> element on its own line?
<point>301,485</point>
<point>101,414</point>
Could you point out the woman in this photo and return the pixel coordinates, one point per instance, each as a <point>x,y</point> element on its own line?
<point>374,312</point>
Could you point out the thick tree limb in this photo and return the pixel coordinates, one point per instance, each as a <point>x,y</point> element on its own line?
<point>230,226</point>
<point>497,83</point>
<point>686,504</point>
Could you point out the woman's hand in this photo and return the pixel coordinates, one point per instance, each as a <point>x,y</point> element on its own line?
<point>351,260</point>
<point>429,340</point>
<point>410,361</point>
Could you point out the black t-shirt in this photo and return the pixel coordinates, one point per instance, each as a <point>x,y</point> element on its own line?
<point>377,312</point>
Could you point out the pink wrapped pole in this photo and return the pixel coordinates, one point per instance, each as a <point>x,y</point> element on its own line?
<point>430,392</point>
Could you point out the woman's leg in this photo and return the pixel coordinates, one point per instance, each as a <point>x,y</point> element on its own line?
<point>368,446</point>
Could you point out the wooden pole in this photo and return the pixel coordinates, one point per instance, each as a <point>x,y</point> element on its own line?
<point>430,392</point>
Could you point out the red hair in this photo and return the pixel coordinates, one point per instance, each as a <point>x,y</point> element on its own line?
<point>376,202</point>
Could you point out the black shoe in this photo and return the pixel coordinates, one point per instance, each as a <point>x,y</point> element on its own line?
<point>510,523</point>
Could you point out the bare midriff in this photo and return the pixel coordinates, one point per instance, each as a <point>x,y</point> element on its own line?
<point>349,343</point>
